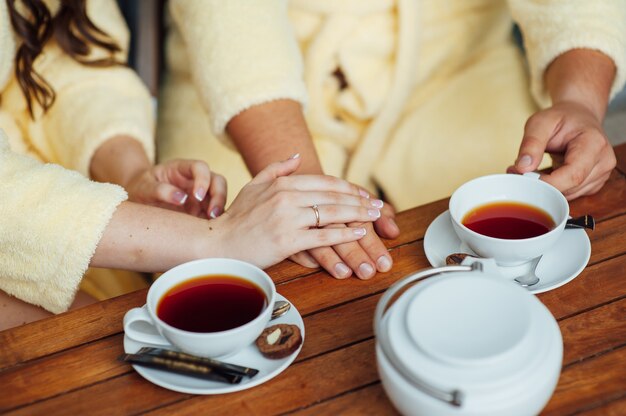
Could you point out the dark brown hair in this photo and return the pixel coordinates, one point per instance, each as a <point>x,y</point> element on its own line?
<point>72,29</point>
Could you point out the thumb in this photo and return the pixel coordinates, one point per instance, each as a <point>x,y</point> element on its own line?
<point>538,131</point>
<point>273,171</point>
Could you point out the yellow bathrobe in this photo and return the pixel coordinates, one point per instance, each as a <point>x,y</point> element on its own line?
<point>51,219</point>
<point>437,91</point>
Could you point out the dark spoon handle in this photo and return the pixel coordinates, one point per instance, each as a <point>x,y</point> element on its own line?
<point>585,221</point>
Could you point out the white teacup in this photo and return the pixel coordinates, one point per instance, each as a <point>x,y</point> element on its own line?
<point>527,189</point>
<point>207,344</point>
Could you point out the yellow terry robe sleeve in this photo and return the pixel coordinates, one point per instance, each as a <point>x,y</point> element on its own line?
<point>51,220</point>
<point>92,104</point>
<point>242,53</point>
<point>551,28</point>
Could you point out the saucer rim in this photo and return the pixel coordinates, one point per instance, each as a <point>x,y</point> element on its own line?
<point>159,378</point>
<point>536,290</point>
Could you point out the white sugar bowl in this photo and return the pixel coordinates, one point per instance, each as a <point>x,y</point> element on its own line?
<point>466,342</point>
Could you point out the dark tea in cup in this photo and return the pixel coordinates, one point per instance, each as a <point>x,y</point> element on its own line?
<point>211,303</point>
<point>509,220</point>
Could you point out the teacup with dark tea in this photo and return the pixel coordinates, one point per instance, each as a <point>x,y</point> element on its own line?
<point>510,218</point>
<point>210,307</point>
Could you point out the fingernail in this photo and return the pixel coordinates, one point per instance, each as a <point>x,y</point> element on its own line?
<point>342,270</point>
<point>294,156</point>
<point>364,194</point>
<point>393,224</point>
<point>366,270</point>
<point>373,213</point>
<point>383,263</point>
<point>377,203</point>
<point>524,161</point>
<point>359,231</point>
<point>199,194</point>
<point>215,212</point>
<point>180,197</point>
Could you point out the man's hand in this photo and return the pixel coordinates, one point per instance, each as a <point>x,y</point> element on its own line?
<point>579,82</point>
<point>572,132</point>
<point>364,257</point>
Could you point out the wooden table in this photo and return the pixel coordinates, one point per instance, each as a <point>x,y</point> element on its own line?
<point>68,364</point>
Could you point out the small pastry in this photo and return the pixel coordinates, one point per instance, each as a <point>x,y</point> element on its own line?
<point>279,341</point>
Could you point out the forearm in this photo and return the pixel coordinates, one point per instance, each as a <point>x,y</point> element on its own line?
<point>15,312</point>
<point>583,76</point>
<point>140,238</point>
<point>273,131</point>
<point>118,161</point>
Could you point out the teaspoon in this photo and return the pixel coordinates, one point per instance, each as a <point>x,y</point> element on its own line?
<point>530,278</point>
<point>281,307</point>
<point>527,280</point>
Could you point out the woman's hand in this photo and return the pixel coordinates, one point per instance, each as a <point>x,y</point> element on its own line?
<point>180,185</point>
<point>183,185</point>
<point>272,217</point>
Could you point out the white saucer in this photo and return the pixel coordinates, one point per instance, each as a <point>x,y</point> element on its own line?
<point>557,267</point>
<point>249,357</point>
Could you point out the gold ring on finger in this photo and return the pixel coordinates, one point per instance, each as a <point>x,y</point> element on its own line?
<point>317,215</point>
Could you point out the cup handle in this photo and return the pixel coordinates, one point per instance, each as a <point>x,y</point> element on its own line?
<point>531,175</point>
<point>133,331</point>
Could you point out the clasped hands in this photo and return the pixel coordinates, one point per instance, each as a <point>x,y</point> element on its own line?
<point>271,218</point>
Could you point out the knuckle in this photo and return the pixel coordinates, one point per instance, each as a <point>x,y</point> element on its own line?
<point>281,183</point>
<point>331,211</point>
<point>325,256</point>
<point>282,240</point>
<point>324,236</point>
<point>577,177</point>
<point>331,181</point>
<point>281,199</point>
<point>354,255</point>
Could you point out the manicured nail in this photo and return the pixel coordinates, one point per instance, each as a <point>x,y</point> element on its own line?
<point>294,156</point>
<point>364,194</point>
<point>524,161</point>
<point>199,194</point>
<point>180,197</point>
<point>377,203</point>
<point>359,231</point>
<point>373,213</point>
<point>366,270</point>
<point>215,212</point>
<point>342,270</point>
<point>383,263</point>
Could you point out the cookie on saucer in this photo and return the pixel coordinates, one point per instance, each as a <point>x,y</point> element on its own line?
<point>279,341</point>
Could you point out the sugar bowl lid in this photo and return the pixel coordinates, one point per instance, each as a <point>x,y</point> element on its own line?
<point>463,332</point>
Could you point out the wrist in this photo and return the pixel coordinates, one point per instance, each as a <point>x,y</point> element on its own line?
<point>119,160</point>
<point>583,77</point>
<point>210,241</point>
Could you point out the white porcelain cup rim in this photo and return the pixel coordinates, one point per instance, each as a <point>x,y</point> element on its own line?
<point>529,175</point>
<point>152,301</point>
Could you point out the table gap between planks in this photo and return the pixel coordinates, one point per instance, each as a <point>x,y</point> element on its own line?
<point>68,364</point>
